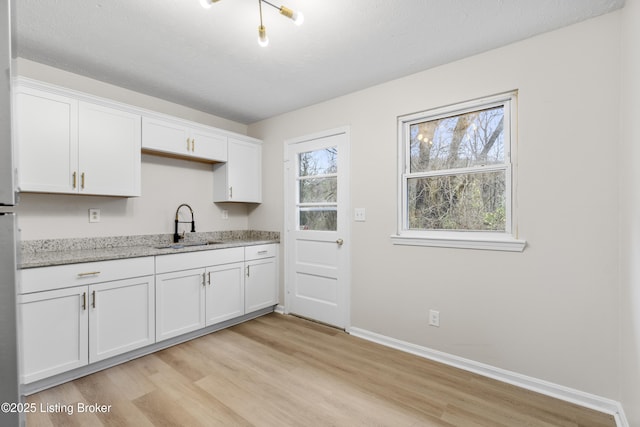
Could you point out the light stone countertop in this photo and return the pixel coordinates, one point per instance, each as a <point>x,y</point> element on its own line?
<point>50,252</point>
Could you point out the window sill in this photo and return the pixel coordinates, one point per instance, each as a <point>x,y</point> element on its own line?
<point>481,241</point>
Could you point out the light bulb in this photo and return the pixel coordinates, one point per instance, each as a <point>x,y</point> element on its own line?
<point>296,17</point>
<point>263,40</point>
<point>207,3</point>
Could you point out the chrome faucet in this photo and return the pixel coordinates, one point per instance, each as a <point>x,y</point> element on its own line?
<point>177,237</point>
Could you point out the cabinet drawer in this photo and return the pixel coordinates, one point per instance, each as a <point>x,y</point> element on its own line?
<point>259,251</point>
<point>186,261</point>
<point>65,276</point>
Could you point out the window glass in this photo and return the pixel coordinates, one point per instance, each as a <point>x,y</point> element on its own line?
<point>473,201</point>
<point>465,140</point>
<point>456,169</point>
<point>317,202</point>
<point>318,219</point>
<point>319,162</point>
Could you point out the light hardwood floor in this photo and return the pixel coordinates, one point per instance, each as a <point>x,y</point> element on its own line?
<point>283,371</point>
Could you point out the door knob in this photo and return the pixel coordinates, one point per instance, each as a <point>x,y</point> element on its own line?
<point>339,242</point>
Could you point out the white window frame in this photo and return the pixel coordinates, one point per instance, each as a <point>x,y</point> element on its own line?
<point>489,240</point>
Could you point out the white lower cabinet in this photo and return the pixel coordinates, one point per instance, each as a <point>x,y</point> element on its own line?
<point>180,302</point>
<point>121,317</point>
<point>89,318</point>
<point>218,285</point>
<point>77,314</point>
<point>209,292</point>
<point>55,332</point>
<point>225,292</point>
<point>261,286</point>
<point>68,328</point>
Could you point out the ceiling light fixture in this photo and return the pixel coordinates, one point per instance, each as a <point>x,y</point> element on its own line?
<point>296,16</point>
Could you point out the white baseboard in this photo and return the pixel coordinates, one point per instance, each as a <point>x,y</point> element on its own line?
<point>279,309</point>
<point>557,391</point>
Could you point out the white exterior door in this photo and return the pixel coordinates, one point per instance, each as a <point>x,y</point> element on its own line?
<point>317,227</point>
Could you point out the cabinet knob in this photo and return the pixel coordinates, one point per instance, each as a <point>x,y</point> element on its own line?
<point>340,242</point>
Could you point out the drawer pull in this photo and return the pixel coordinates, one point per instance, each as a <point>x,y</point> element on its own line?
<point>263,252</point>
<point>84,300</point>
<point>89,273</point>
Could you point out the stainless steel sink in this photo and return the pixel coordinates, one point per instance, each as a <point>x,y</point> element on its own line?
<point>181,245</point>
<point>190,245</point>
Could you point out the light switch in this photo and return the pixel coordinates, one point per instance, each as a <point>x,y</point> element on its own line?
<point>359,214</point>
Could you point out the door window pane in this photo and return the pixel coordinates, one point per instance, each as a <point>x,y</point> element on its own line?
<point>319,190</point>
<point>318,162</point>
<point>318,218</point>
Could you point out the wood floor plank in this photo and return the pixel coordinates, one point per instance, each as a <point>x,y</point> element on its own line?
<point>284,371</point>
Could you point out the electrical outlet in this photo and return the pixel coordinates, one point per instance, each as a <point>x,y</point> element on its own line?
<point>225,214</point>
<point>94,215</point>
<point>359,214</point>
<point>434,318</point>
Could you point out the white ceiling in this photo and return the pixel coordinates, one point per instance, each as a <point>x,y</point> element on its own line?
<point>210,60</point>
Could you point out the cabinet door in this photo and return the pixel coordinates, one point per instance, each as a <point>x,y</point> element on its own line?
<point>261,287</point>
<point>208,146</point>
<point>109,151</point>
<point>54,331</point>
<point>245,171</point>
<point>225,292</point>
<point>46,131</point>
<point>180,302</point>
<point>121,317</point>
<point>165,137</point>
<point>240,179</point>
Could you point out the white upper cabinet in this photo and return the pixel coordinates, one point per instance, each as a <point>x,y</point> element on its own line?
<point>181,139</point>
<point>240,179</point>
<point>109,151</point>
<point>74,143</point>
<point>70,146</point>
<point>46,131</point>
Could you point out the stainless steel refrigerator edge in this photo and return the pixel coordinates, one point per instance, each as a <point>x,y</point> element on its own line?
<point>9,372</point>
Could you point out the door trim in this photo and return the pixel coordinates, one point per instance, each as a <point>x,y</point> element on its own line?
<point>346,130</point>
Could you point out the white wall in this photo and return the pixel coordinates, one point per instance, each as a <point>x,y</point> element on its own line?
<point>166,183</point>
<point>550,312</point>
<point>630,214</point>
